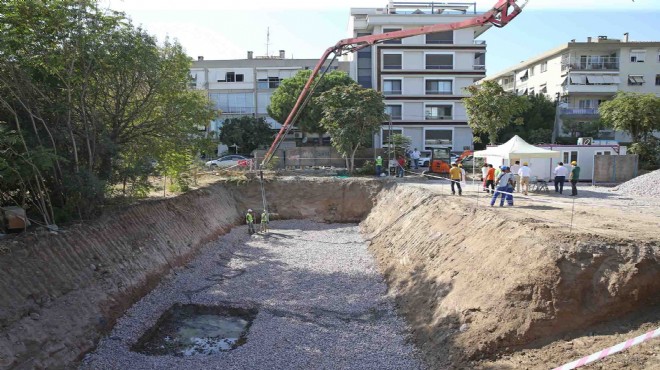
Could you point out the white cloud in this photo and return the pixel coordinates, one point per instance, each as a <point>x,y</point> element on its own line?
<point>257,5</point>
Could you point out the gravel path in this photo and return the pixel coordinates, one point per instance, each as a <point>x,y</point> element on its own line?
<point>645,185</point>
<point>322,305</point>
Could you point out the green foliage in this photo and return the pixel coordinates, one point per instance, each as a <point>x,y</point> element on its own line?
<point>636,114</point>
<point>581,129</point>
<point>91,101</point>
<point>538,121</point>
<point>400,145</point>
<point>490,109</point>
<point>249,133</point>
<point>286,95</point>
<point>351,115</point>
<point>273,164</point>
<point>649,153</point>
<point>368,169</point>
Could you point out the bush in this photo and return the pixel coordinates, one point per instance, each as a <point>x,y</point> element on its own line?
<point>649,153</point>
<point>369,168</point>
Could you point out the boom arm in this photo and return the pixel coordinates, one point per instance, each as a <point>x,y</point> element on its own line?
<point>499,16</point>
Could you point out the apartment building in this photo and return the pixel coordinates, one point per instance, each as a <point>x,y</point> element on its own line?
<point>243,87</point>
<point>585,74</point>
<point>422,77</point>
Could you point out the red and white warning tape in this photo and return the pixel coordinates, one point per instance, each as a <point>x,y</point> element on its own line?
<point>609,351</point>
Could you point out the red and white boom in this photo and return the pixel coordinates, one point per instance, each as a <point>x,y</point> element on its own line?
<point>499,16</point>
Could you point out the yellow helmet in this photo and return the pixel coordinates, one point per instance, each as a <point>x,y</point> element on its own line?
<point>574,163</point>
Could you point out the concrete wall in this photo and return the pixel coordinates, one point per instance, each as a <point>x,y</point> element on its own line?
<point>615,168</point>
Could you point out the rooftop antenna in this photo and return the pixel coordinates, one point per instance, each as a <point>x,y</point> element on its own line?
<point>267,41</point>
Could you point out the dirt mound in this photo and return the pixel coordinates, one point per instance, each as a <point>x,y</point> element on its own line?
<point>473,283</point>
<point>643,186</point>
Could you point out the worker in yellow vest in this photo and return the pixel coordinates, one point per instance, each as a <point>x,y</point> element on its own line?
<point>249,220</point>
<point>264,221</point>
<point>379,165</point>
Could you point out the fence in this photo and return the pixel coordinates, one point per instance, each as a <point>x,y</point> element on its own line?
<point>614,169</point>
<point>320,156</point>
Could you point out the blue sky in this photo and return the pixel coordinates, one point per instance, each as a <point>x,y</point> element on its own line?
<point>305,29</point>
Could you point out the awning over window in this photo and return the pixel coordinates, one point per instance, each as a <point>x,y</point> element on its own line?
<point>616,79</point>
<point>544,88</point>
<point>578,79</point>
<point>636,80</point>
<point>595,79</point>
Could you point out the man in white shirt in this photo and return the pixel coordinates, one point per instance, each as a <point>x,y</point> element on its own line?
<point>516,178</point>
<point>525,173</point>
<point>560,177</point>
<point>415,155</point>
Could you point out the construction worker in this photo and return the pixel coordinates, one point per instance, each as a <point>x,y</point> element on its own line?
<point>504,185</point>
<point>249,220</point>
<point>379,165</point>
<point>264,221</point>
<point>455,177</point>
<point>574,177</point>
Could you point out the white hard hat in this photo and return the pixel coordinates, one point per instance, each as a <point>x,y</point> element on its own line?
<point>249,209</point>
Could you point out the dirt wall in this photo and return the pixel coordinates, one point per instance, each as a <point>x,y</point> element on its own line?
<point>473,283</point>
<point>59,292</point>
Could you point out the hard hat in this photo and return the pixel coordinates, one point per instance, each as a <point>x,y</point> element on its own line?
<point>525,164</point>
<point>460,165</point>
<point>504,168</point>
<point>249,209</point>
<point>574,163</point>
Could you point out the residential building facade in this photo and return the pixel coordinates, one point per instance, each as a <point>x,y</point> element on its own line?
<point>243,87</point>
<point>582,75</point>
<point>423,78</point>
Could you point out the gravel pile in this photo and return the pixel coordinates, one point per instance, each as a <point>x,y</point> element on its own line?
<point>321,305</point>
<point>644,186</point>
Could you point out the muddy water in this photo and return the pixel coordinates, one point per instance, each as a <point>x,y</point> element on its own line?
<point>196,330</point>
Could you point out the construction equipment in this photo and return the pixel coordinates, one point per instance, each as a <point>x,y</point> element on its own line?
<point>440,163</point>
<point>500,15</point>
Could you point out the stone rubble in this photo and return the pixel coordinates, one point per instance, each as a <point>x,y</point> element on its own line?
<point>321,302</point>
<point>647,185</point>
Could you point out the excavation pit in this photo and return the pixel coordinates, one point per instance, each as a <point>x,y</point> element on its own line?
<point>191,330</point>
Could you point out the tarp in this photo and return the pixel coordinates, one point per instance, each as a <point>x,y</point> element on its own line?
<point>517,148</point>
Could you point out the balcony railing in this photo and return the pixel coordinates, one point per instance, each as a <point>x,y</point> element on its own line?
<point>479,67</point>
<point>438,117</point>
<point>600,64</point>
<point>392,66</point>
<point>392,92</point>
<point>579,111</point>
<point>507,86</point>
<point>439,66</point>
<point>480,42</point>
<point>439,92</point>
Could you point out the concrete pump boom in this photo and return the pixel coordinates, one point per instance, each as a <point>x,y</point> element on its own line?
<point>499,16</point>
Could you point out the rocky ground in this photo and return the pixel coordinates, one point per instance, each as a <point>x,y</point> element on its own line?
<point>645,185</point>
<point>321,304</point>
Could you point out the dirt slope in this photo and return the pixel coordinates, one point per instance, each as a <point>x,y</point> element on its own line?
<point>474,283</point>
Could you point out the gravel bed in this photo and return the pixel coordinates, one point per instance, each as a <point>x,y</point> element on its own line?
<point>321,304</point>
<point>644,186</point>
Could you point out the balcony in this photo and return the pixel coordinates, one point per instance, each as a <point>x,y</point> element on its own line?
<point>579,111</point>
<point>391,92</point>
<point>591,89</point>
<point>438,92</point>
<point>479,67</point>
<point>480,42</point>
<point>439,66</point>
<point>590,64</point>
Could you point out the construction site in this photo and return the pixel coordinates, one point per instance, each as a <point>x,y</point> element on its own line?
<point>320,268</point>
<point>353,273</point>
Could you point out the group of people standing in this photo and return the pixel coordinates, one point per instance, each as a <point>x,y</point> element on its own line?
<point>250,219</point>
<point>561,172</point>
<point>415,155</point>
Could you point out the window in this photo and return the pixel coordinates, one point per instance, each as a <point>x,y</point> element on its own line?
<point>269,83</point>
<point>239,78</point>
<point>446,37</point>
<point>531,71</point>
<point>635,80</point>
<point>392,87</point>
<point>570,156</point>
<point>637,56</point>
<point>439,61</point>
<point>364,59</point>
<point>531,91</point>
<point>440,87</point>
<point>397,41</point>
<point>657,80</point>
<point>438,112</point>
<point>544,67</point>
<point>230,77</point>
<point>606,152</point>
<point>525,76</point>
<point>392,61</point>
<point>585,103</point>
<point>438,137</point>
<point>479,63</point>
<point>385,137</point>
<point>394,111</point>
<point>543,89</point>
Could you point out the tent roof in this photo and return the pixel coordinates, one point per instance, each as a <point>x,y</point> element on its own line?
<point>517,148</point>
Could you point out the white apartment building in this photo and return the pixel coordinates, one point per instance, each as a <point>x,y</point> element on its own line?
<point>584,74</point>
<point>422,77</point>
<point>243,87</point>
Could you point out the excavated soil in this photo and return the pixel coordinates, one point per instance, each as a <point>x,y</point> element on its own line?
<point>529,287</point>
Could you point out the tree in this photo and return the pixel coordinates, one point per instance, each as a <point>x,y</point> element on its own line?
<point>351,115</point>
<point>95,96</point>
<point>538,121</point>
<point>585,129</point>
<point>286,95</point>
<point>490,109</point>
<point>636,114</point>
<point>248,133</point>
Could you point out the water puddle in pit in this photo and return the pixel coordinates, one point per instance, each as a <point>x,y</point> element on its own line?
<point>189,330</point>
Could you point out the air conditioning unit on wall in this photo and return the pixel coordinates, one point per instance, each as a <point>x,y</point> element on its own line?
<point>585,141</point>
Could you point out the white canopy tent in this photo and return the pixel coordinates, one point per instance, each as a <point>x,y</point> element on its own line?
<point>517,148</point>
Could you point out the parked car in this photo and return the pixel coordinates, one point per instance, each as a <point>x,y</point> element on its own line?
<point>229,161</point>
